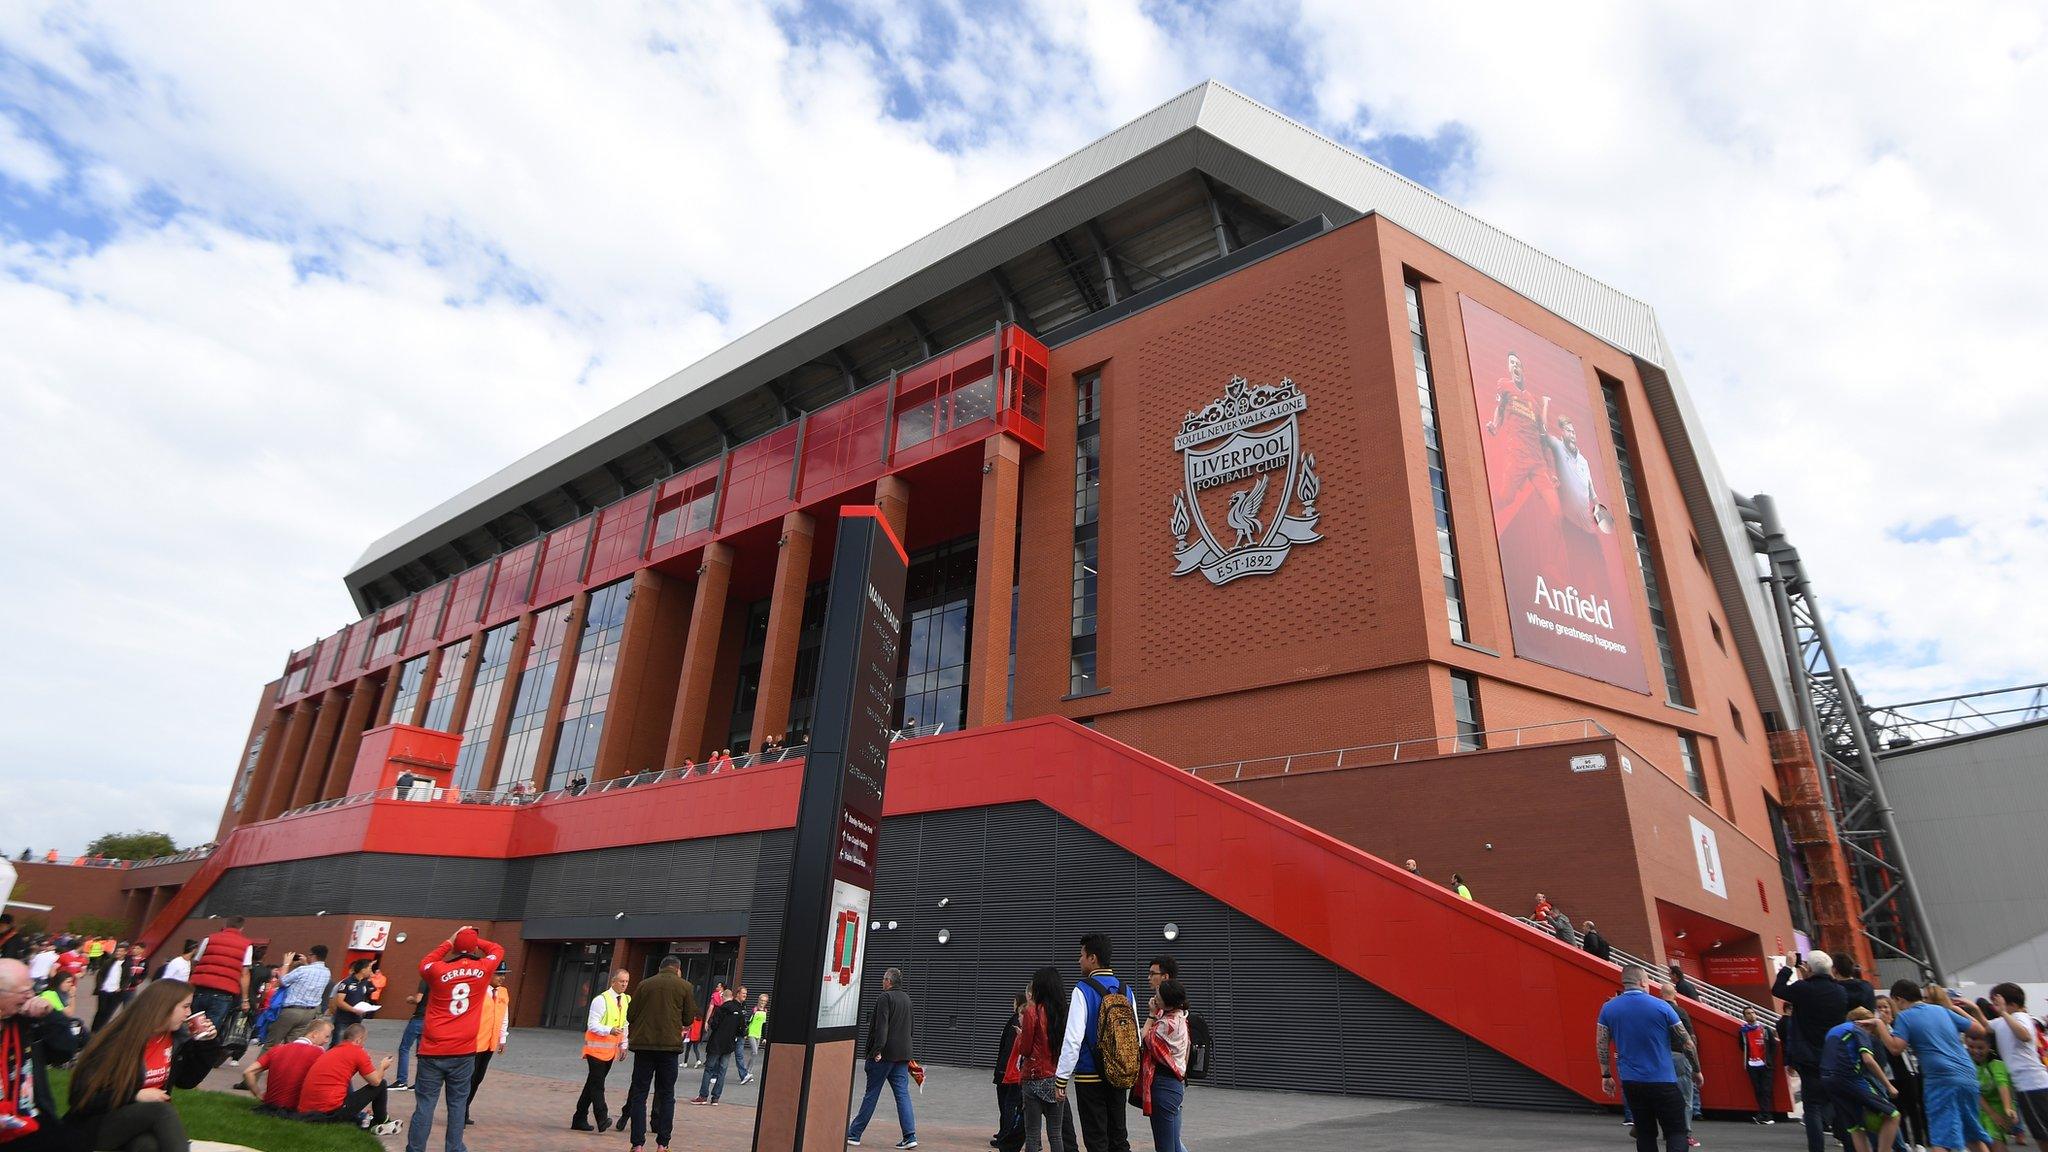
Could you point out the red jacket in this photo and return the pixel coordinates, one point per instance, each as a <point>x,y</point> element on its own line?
<point>219,964</point>
<point>1034,1046</point>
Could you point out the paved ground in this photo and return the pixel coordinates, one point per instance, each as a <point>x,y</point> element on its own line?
<point>531,1092</point>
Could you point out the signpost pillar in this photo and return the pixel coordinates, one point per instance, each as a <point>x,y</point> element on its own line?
<point>814,1018</point>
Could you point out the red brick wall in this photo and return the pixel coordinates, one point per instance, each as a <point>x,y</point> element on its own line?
<point>70,891</point>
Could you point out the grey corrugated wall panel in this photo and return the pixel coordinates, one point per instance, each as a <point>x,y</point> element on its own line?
<point>1022,884</point>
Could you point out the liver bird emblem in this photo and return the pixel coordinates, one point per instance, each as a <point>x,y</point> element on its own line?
<point>1244,512</point>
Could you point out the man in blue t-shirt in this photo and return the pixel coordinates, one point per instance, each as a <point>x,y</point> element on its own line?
<point>1851,1074</point>
<point>1634,1039</point>
<point>1935,1032</point>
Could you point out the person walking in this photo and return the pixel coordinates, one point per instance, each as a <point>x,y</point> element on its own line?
<point>113,988</point>
<point>33,1038</point>
<point>757,1029</point>
<point>1036,1061</point>
<point>220,973</point>
<point>693,1043</point>
<point>1561,927</point>
<point>1682,983</point>
<point>1634,1038</point>
<point>1857,1086</point>
<point>410,1040</point>
<point>664,1006</point>
<point>739,1043</point>
<point>1162,1085</point>
<point>1082,1049</point>
<point>305,991</point>
<point>721,1038</point>
<point>351,1000</point>
<point>493,1032</point>
<point>1008,1079</point>
<point>457,972</point>
<point>1458,886</point>
<point>1593,942</point>
<point>1933,1025</point>
<point>121,1087</point>
<point>1905,1077</point>
<point>2018,1037</point>
<point>890,1029</point>
<point>604,1037</point>
<point>1685,1066</point>
<point>1818,1004</point>
<point>1758,1045</point>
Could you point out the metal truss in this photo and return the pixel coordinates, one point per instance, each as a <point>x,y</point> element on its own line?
<point>1840,731</point>
<point>1896,726</point>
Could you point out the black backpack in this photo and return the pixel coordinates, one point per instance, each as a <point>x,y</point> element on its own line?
<point>1199,1044</point>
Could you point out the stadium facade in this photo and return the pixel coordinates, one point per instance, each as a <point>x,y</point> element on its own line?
<point>1273,521</point>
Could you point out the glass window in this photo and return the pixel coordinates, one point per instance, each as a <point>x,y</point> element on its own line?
<point>597,658</point>
<point>248,769</point>
<point>931,685</point>
<point>1646,559</point>
<point>1689,755</point>
<point>1465,704</point>
<point>536,688</point>
<point>1433,452</point>
<point>1081,665</point>
<point>410,675</point>
<point>483,705</point>
<point>441,704</point>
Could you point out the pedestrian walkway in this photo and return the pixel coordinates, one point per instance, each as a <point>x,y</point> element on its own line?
<point>531,1093</point>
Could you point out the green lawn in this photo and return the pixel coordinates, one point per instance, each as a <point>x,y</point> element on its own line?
<point>227,1117</point>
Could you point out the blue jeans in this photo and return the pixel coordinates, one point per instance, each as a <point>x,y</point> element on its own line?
<point>739,1056</point>
<point>713,1083</point>
<point>1167,1095</point>
<point>896,1073</point>
<point>434,1071</point>
<point>406,1044</point>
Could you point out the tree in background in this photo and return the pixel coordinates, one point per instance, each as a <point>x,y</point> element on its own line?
<point>132,846</point>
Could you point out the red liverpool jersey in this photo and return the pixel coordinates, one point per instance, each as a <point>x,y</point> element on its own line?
<point>454,988</point>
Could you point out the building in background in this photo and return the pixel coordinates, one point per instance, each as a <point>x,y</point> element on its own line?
<point>1332,510</point>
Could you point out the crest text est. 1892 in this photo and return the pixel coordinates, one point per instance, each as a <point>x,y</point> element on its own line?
<point>1231,452</point>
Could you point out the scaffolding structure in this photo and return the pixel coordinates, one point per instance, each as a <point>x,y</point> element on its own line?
<point>1842,804</point>
<point>1896,726</point>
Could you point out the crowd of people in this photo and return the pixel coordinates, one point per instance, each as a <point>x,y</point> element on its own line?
<point>1915,1068</point>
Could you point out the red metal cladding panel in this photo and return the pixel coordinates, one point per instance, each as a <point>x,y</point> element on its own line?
<point>325,659</point>
<point>466,602</point>
<point>383,645</point>
<point>757,478</point>
<point>1025,372</point>
<point>843,444</point>
<point>621,538</point>
<point>298,675</point>
<point>512,585</point>
<point>685,512</point>
<point>423,628</point>
<point>356,648</point>
<point>563,561</point>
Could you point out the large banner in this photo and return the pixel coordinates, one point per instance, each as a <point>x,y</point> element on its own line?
<point>1557,507</point>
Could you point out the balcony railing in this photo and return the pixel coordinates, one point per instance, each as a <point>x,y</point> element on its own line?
<point>1395,751</point>
<point>1705,993</point>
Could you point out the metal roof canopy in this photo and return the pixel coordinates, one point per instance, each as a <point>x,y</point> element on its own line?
<point>1207,132</point>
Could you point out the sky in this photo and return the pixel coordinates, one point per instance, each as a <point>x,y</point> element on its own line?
<point>276,278</point>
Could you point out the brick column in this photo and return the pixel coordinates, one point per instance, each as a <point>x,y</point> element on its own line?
<point>267,761</point>
<point>389,696</point>
<point>785,624</point>
<point>565,673</point>
<point>641,709</point>
<point>342,764</point>
<point>298,726</point>
<point>995,561</point>
<point>515,666</point>
<point>700,655</point>
<point>312,773</point>
<point>892,496</point>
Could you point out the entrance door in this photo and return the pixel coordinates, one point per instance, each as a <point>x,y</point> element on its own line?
<point>582,969</point>
<point>706,964</point>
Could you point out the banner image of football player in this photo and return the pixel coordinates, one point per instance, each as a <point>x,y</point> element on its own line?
<point>1568,571</point>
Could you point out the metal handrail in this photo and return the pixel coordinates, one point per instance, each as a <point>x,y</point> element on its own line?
<point>1711,995</point>
<point>1358,755</point>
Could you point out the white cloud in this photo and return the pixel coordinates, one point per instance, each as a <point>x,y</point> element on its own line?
<point>259,370</point>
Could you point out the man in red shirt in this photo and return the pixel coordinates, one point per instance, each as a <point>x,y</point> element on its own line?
<point>326,1094</point>
<point>458,975</point>
<point>284,1069</point>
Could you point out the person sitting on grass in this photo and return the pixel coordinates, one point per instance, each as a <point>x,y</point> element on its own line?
<point>284,1069</point>
<point>326,1095</point>
<point>121,1091</point>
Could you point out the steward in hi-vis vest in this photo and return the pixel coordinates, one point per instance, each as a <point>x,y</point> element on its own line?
<point>604,1038</point>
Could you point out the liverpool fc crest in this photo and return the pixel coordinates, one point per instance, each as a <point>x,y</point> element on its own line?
<point>1232,451</point>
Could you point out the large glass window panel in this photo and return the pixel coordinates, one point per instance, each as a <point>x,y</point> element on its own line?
<point>410,675</point>
<point>932,672</point>
<point>1689,756</point>
<point>1646,558</point>
<point>483,705</point>
<point>441,705</point>
<point>536,689</point>
<point>1433,455</point>
<point>1465,705</point>
<point>597,657</point>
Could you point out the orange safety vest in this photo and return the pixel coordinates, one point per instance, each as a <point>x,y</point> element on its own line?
<point>605,1046</point>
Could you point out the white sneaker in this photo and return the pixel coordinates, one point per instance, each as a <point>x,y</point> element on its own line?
<point>387,1128</point>
<point>747,1079</point>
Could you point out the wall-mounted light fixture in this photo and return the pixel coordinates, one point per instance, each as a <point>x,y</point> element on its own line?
<point>944,935</point>
<point>1171,931</point>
